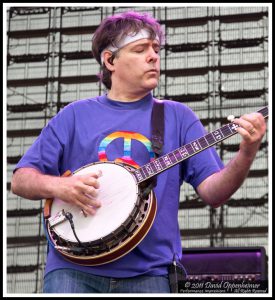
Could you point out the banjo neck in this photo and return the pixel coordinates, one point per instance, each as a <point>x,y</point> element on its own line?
<point>172,158</point>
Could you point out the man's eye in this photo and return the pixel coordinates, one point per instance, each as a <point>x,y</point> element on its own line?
<point>139,50</point>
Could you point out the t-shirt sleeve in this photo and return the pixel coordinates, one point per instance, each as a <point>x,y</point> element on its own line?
<point>203,164</point>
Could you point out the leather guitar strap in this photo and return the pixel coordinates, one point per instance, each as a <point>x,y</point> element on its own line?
<point>157,127</point>
<point>157,124</point>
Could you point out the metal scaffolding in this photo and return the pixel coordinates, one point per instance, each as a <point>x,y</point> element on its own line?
<point>215,60</point>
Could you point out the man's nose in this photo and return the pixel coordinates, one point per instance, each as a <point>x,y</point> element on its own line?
<point>152,55</point>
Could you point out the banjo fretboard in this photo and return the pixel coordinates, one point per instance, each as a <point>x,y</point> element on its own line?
<point>172,158</point>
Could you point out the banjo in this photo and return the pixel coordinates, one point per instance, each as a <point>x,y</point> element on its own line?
<point>128,205</point>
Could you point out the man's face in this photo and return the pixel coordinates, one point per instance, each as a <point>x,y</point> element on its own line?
<point>137,66</point>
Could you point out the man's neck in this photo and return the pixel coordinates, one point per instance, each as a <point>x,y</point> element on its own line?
<point>126,96</point>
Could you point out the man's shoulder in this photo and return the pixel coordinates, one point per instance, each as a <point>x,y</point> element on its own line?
<point>79,104</point>
<point>175,105</point>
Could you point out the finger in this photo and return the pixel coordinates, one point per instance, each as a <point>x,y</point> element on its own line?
<point>245,124</point>
<point>91,181</point>
<point>89,200</point>
<point>245,134</point>
<point>86,209</point>
<point>256,119</point>
<point>96,174</point>
<point>91,191</point>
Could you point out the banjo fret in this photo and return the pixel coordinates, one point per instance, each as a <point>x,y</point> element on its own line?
<point>189,149</point>
<point>177,155</point>
<point>173,158</point>
<point>210,139</point>
<point>203,142</point>
<point>217,134</point>
<point>162,163</point>
<point>149,169</point>
<point>167,160</point>
<point>183,152</point>
<point>153,167</point>
<point>196,145</point>
<point>157,164</point>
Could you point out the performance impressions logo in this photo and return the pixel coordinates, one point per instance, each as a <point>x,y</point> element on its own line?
<point>224,287</point>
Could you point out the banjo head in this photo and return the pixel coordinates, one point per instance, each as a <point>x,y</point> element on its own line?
<point>118,193</point>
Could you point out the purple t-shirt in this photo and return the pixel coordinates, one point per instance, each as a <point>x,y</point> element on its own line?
<point>97,129</point>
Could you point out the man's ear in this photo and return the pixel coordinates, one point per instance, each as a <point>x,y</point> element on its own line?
<point>107,59</point>
<point>110,61</point>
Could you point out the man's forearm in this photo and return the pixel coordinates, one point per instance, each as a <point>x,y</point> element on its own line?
<point>29,183</point>
<point>219,187</point>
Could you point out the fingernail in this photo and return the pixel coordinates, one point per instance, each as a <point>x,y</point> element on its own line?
<point>98,203</point>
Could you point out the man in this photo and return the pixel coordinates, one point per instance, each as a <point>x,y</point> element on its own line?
<point>117,126</point>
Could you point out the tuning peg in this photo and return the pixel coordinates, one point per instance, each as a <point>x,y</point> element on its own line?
<point>230,118</point>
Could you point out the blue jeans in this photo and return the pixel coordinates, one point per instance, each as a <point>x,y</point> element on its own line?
<point>73,281</point>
